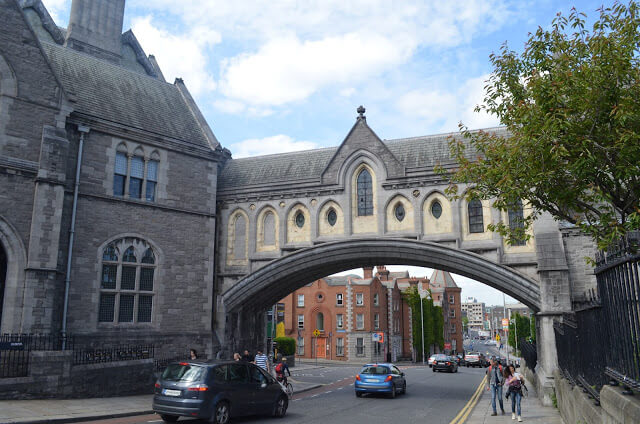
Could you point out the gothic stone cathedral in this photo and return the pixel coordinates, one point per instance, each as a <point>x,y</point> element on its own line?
<point>99,152</point>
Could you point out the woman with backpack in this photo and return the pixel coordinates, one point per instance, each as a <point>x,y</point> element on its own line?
<point>514,382</point>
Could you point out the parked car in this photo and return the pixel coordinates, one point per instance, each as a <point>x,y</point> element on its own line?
<point>475,359</point>
<point>430,360</point>
<point>217,391</point>
<point>380,378</point>
<point>445,363</point>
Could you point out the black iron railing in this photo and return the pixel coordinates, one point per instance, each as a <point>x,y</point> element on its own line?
<point>618,275</point>
<point>14,363</point>
<point>112,354</point>
<point>161,363</point>
<point>35,341</point>
<point>529,354</point>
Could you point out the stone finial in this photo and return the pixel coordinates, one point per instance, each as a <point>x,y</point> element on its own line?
<point>361,110</point>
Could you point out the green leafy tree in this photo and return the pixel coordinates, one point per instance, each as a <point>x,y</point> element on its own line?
<point>433,322</point>
<point>570,102</point>
<point>523,326</point>
<point>532,329</point>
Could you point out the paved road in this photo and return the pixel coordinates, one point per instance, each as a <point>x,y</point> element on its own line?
<point>431,397</point>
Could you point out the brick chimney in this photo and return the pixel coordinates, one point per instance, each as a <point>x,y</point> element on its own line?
<point>382,272</point>
<point>367,272</point>
<point>95,27</point>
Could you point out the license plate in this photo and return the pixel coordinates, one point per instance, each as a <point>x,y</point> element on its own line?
<point>370,380</point>
<point>170,392</point>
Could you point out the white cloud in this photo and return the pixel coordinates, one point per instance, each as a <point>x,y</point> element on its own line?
<point>269,145</point>
<point>444,110</point>
<point>59,10</point>
<point>288,69</point>
<point>180,56</point>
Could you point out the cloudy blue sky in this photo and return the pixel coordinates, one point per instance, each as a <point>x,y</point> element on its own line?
<point>283,75</point>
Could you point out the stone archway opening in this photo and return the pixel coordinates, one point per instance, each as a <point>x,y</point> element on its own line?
<point>259,290</point>
<point>3,278</point>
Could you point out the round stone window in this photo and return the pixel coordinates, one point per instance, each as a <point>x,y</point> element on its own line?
<point>332,217</point>
<point>319,297</point>
<point>300,219</point>
<point>436,209</point>
<point>399,212</point>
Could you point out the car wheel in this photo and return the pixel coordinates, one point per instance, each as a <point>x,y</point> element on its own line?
<point>221,413</point>
<point>358,394</point>
<point>281,406</point>
<point>456,369</point>
<point>169,418</point>
<point>393,391</point>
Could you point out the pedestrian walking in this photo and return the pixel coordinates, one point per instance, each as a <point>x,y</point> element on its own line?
<point>237,357</point>
<point>514,382</point>
<point>262,361</point>
<point>495,381</point>
<point>193,354</point>
<point>246,356</point>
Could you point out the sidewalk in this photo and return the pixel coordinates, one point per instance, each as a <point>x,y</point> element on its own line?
<point>70,410</point>
<point>532,411</point>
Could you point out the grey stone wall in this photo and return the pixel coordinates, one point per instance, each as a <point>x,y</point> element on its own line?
<point>578,248</point>
<point>53,375</point>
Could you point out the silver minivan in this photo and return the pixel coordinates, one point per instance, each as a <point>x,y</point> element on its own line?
<point>217,391</point>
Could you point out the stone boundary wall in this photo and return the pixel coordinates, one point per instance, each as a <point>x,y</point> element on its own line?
<point>53,375</point>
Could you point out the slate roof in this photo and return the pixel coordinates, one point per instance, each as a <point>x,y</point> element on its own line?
<point>416,152</point>
<point>443,279</point>
<point>116,94</point>
<point>399,274</point>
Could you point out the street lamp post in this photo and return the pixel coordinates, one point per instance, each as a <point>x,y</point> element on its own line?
<point>422,326</point>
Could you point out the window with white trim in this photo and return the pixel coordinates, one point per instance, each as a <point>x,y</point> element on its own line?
<point>452,313</point>
<point>360,321</point>
<point>359,346</point>
<point>127,278</point>
<point>376,299</point>
<point>300,300</point>
<point>135,176</point>
<point>339,299</point>
<point>339,321</point>
<point>376,321</point>
<point>339,346</point>
<point>359,299</point>
<point>301,322</point>
<point>452,299</point>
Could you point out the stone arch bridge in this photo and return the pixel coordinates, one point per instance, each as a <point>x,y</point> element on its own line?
<point>285,220</point>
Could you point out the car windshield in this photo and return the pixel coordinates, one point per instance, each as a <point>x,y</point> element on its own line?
<point>183,372</point>
<point>441,357</point>
<point>375,369</point>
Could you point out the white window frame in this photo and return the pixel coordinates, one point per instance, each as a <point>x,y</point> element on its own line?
<point>452,299</point>
<point>340,346</point>
<point>452,313</point>
<point>300,322</point>
<point>376,321</point>
<point>300,301</point>
<point>359,299</point>
<point>339,321</point>
<point>359,346</point>
<point>339,299</point>
<point>300,346</point>
<point>359,321</point>
<point>376,299</point>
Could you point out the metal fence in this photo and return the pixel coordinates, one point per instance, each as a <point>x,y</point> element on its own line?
<point>529,353</point>
<point>112,354</point>
<point>161,363</point>
<point>618,275</point>
<point>35,341</point>
<point>14,363</point>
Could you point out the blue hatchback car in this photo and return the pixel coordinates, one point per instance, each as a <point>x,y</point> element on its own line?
<point>380,378</point>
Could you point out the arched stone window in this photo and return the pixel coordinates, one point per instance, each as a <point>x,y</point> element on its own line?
<point>476,218</point>
<point>135,176</point>
<point>365,193</point>
<point>240,237</point>
<point>269,229</point>
<point>127,280</point>
<point>516,220</point>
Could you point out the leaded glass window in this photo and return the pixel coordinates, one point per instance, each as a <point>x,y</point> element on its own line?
<point>120,174</point>
<point>476,218</point>
<point>516,221</point>
<point>126,285</point>
<point>332,217</point>
<point>300,219</point>
<point>152,180</point>
<point>399,212</point>
<point>436,209</point>
<point>365,193</point>
<point>136,177</point>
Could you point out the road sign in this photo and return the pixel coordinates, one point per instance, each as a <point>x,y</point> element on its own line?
<point>316,332</point>
<point>505,323</point>
<point>377,337</point>
<point>447,346</point>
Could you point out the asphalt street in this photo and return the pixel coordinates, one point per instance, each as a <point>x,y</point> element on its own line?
<point>432,397</point>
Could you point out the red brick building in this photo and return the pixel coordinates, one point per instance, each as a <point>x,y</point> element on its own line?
<point>350,311</point>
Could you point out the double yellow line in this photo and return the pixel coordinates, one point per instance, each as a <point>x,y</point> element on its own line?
<point>464,412</point>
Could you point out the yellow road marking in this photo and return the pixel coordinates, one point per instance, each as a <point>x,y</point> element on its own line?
<point>464,412</point>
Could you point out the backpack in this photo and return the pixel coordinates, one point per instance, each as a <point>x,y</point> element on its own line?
<point>279,368</point>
